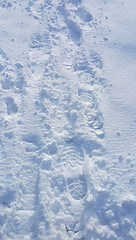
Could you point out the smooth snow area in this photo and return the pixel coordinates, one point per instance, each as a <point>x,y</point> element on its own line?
<point>67,120</point>
<point>119,97</point>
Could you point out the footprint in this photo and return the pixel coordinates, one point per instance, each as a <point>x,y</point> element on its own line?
<point>84,14</point>
<point>72,154</point>
<point>36,41</point>
<point>7,197</point>
<point>11,106</point>
<point>52,148</point>
<point>75,2</point>
<point>39,106</point>
<point>46,165</point>
<point>36,8</point>
<point>40,40</point>
<point>74,30</point>
<point>28,177</point>
<point>9,134</point>
<point>44,94</point>
<point>129,205</point>
<point>20,81</point>
<point>96,60</point>
<point>77,187</point>
<point>87,96</point>
<point>18,66</point>
<point>8,82</point>
<point>31,138</point>
<point>95,120</point>
<point>82,64</point>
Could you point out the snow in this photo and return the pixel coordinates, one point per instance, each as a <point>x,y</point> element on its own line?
<point>67,120</point>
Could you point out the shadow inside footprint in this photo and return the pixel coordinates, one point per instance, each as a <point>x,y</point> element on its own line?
<point>7,197</point>
<point>32,138</point>
<point>84,14</point>
<point>75,2</point>
<point>74,30</point>
<point>11,106</point>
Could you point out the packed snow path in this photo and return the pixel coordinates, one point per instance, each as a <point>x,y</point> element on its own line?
<point>54,178</point>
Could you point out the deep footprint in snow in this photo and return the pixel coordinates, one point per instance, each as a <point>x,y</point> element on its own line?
<point>77,187</point>
<point>72,154</point>
<point>8,82</point>
<point>84,14</point>
<point>46,165</point>
<point>11,106</point>
<point>74,31</point>
<point>7,197</point>
<point>32,138</point>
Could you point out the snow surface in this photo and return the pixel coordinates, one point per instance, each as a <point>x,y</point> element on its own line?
<point>67,120</point>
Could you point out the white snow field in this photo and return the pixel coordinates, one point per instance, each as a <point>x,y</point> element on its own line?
<point>68,120</point>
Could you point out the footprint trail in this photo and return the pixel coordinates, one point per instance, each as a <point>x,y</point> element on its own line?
<point>52,159</point>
